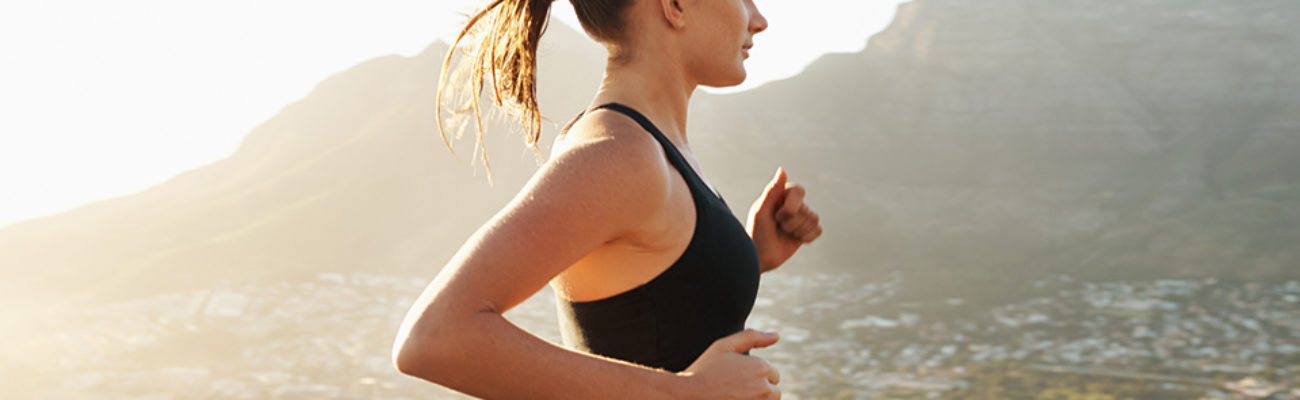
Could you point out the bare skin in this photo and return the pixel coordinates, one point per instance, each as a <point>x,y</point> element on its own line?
<point>607,197</point>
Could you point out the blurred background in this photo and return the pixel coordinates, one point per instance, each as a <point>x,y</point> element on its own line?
<point>1021,199</point>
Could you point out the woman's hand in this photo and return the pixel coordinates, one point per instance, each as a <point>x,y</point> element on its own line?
<point>780,222</point>
<point>723,371</point>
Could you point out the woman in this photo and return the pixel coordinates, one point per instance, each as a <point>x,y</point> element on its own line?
<point>654,275</point>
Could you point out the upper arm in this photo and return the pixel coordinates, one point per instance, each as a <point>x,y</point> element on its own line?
<point>588,195</point>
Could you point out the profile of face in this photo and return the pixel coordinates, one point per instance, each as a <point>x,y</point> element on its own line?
<point>717,36</point>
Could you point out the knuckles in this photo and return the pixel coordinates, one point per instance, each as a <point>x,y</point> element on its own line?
<point>784,217</point>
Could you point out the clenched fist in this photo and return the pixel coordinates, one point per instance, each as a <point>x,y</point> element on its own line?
<point>780,222</point>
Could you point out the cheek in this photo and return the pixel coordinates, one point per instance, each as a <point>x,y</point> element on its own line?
<point>719,53</point>
<point>723,42</point>
<point>712,47</point>
<point>727,29</point>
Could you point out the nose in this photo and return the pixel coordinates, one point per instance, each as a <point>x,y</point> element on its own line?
<point>756,21</point>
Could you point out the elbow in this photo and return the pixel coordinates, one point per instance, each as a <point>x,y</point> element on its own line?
<point>417,356</point>
<point>434,340</point>
<point>431,349</point>
<point>405,361</point>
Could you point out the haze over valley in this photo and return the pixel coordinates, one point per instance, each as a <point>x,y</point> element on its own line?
<point>1038,168</point>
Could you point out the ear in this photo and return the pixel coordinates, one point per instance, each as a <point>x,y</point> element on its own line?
<point>673,13</point>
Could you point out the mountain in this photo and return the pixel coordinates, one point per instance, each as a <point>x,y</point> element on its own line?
<point>972,145</point>
<point>971,142</point>
<point>353,177</point>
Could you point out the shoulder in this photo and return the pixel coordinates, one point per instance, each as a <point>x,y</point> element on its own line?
<point>605,124</point>
<point>606,167</point>
<point>611,143</point>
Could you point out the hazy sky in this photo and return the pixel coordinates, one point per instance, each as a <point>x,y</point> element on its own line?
<point>104,98</point>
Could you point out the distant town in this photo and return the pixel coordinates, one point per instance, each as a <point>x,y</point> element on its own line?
<point>330,337</point>
<point>1201,337</point>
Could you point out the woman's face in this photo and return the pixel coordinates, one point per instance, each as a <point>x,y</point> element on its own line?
<point>718,38</point>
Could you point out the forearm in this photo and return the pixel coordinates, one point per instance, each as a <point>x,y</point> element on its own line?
<point>486,356</point>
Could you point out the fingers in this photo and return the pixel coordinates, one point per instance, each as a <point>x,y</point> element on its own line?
<point>772,195</point>
<point>773,376</point>
<point>792,215</point>
<point>803,224</point>
<point>778,180</point>
<point>745,340</point>
<point>812,235</point>
<point>791,210</point>
<point>793,199</point>
<point>813,225</point>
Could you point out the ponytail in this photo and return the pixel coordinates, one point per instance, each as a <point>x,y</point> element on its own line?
<point>507,33</point>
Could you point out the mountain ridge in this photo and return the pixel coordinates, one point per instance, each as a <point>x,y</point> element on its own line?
<point>965,143</point>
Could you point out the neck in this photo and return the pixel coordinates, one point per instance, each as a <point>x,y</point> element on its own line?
<point>653,83</point>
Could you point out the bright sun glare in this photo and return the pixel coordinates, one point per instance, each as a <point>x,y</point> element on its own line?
<point>103,99</point>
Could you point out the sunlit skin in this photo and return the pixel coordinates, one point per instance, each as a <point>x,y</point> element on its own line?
<point>607,212</point>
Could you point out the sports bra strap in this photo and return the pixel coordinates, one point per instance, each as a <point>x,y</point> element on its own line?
<point>674,155</point>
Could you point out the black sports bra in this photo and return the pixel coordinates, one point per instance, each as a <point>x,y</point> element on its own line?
<point>706,294</point>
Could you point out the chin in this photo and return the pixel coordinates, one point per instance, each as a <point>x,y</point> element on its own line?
<point>735,78</point>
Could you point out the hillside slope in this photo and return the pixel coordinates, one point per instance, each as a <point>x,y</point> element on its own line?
<point>971,145</point>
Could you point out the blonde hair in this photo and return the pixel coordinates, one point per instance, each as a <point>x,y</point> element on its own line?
<point>507,33</point>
